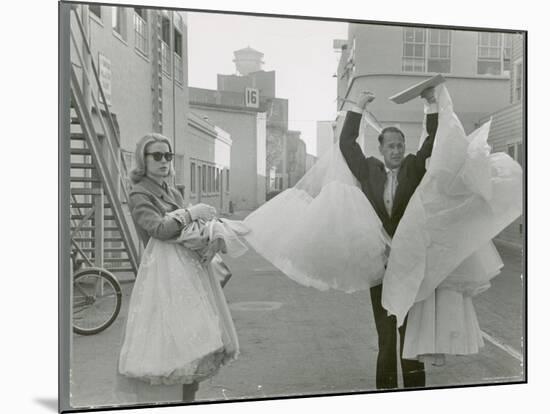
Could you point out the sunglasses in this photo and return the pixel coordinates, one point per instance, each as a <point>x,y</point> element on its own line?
<point>157,156</point>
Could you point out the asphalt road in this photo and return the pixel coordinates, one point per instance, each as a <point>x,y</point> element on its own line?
<point>299,341</point>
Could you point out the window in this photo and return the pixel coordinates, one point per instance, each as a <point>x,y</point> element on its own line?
<point>217,180</point>
<point>213,174</point>
<point>95,9</point>
<point>140,29</point>
<point>506,52</point>
<point>515,150</point>
<point>179,167</point>
<point>439,51</point>
<point>209,180</point>
<point>518,81</point>
<point>118,20</point>
<point>493,53</point>
<point>178,55</point>
<point>227,188</point>
<point>414,49</point>
<point>199,178</point>
<point>165,46</point>
<point>193,178</point>
<point>279,183</point>
<point>203,179</point>
<point>426,50</point>
<point>519,153</point>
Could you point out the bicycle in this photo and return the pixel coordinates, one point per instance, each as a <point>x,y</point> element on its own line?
<point>97,296</point>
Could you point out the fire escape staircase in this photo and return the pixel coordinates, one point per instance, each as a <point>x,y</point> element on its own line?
<point>102,231</point>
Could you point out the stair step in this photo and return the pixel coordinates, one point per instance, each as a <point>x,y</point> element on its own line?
<point>80,151</point>
<point>92,240</point>
<point>81,216</point>
<point>88,205</point>
<point>90,228</point>
<point>86,191</point>
<point>83,228</point>
<point>83,166</point>
<point>106,249</point>
<point>115,260</point>
<point>85,180</point>
<point>79,136</point>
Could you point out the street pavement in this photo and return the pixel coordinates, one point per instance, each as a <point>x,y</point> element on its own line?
<point>300,341</point>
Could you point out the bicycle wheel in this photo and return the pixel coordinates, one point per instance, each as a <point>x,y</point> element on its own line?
<point>97,298</point>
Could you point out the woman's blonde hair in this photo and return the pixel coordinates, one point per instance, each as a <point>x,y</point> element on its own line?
<point>140,171</point>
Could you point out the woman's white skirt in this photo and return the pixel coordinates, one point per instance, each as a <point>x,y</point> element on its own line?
<point>179,329</point>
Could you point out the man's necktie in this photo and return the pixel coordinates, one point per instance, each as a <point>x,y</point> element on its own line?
<point>389,192</point>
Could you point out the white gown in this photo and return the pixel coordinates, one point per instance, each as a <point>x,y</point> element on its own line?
<point>442,253</point>
<point>179,329</point>
<point>324,233</point>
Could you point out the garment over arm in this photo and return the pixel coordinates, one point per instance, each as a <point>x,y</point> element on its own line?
<point>148,217</point>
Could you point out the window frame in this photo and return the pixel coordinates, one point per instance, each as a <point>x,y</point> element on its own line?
<point>122,21</point>
<point>423,60</point>
<point>440,46</point>
<point>209,180</point>
<point>504,52</point>
<point>165,47</point>
<point>193,178</point>
<point>92,8</point>
<point>414,43</point>
<point>138,20</point>
<point>517,147</point>
<point>179,169</point>
<point>203,179</point>
<point>517,83</point>
<point>178,57</point>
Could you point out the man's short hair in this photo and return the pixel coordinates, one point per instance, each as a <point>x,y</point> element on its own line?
<point>390,129</point>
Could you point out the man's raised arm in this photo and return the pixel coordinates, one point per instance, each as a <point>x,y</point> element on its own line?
<point>352,152</point>
<point>431,110</point>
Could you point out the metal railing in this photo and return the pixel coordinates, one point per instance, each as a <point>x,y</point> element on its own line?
<point>111,136</point>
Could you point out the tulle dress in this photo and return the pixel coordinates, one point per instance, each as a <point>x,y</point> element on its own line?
<point>442,253</point>
<point>324,233</point>
<point>179,329</point>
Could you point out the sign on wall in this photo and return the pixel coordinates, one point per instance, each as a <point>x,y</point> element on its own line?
<point>104,65</point>
<point>252,98</point>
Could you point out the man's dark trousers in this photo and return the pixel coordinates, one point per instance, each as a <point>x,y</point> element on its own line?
<point>371,174</point>
<point>386,366</point>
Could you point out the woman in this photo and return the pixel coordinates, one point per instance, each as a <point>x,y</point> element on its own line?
<point>179,330</point>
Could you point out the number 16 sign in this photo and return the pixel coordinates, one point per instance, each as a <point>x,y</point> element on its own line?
<point>252,98</point>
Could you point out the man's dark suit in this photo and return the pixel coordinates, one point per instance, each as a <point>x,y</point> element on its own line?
<point>371,174</point>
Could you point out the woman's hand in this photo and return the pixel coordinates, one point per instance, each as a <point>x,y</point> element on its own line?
<point>202,211</point>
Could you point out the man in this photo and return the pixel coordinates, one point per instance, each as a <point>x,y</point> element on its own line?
<point>389,186</point>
